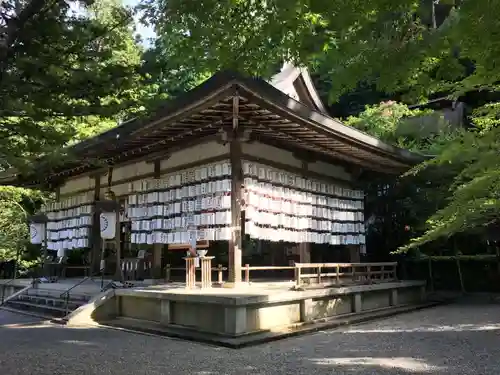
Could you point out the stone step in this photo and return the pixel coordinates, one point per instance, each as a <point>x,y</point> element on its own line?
<point>45,310</point>
<point>52,301</point>
<point>57,295</point>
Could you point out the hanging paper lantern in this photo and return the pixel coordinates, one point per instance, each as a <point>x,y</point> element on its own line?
<point>60,253</point>
<point>37,233</point>
<point>108,225</point>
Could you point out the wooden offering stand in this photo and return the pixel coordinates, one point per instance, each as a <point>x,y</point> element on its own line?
<point>206,264</point>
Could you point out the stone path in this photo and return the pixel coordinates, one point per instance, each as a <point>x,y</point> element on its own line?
<point>453,339</point>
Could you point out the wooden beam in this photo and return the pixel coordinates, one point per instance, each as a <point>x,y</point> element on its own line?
<point>305,247</point>
<point>195,164</point>
<point>157,247</point>
<point>157,169</point>
<point>235,243</point>
<point>96,243</point>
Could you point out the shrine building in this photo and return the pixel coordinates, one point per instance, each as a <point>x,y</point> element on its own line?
<point>257,171</point>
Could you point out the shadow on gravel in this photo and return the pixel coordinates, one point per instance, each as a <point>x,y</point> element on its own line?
<point>446,340</point>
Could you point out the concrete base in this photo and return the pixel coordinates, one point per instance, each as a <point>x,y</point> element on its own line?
<point>230,314</point>
<point>148,327</point>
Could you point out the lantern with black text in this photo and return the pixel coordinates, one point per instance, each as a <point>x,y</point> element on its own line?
<point>108,225</point>
<point>107,219</point>
<point>37,228</point>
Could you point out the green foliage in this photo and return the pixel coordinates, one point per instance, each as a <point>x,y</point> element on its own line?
<point>473,202</point>
<point>58,68</point>
<point>396,45</point>
<point>385,122</point>
<point>401,205</point>
<point>64,77</point>
<point>416,49</point>
<point>15,206</point>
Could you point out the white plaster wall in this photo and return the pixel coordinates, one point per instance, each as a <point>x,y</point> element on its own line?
<point>186,156</point>
<point>261,150</point>
<point>129,171</point>
<point>285,157</point>
<point>330,170</point>
<point>77,184</point>
<point>195,154</point>
<point>119,190</point>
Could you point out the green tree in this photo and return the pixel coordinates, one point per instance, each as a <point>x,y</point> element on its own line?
<point>64,76</point>
<point>414,48</point>
<point>60,66</point>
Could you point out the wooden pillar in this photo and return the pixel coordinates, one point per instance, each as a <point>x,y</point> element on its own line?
<point>304,247</point>
<point>118,247</point>
<point>235,243</point>
<point>157,247</point>
<point>190,272</point>
<point>206,272</point>
<point>96,243</point>
<point>354,253</point>
<point>157,253</point>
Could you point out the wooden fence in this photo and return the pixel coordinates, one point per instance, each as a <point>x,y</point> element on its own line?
<point>316,273</point>
<point>344,273</point>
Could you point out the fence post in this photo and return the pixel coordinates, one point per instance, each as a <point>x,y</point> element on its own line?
<point>319,275</point>
<point>369,272</point>
<point>219,273</point>
<point>167,273</point>
<point>353,273</point>
<point>338,274</point>
<point>297,275</point>
<point>247,273</point>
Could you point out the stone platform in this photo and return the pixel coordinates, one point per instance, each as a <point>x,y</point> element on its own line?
<point>246,314</point>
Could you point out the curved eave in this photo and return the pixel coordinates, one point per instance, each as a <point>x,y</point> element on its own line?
<point>162,130</point>
<point>283,103</point>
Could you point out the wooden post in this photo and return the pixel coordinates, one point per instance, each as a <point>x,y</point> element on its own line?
<point>431,279</point>
<point>190,272</point>
<point>167,273</point>
<point>319,275</point>
<point>157,247</point>
<point>95,256</point>
<point>247,273</point>
<point>235,243</point>
<point>157,252</point>
<point>369,274</point>
<point>354,251</point>
<point>460,277</point>
<point>338,275</point>
<point>304,247</point>
<point>219,274</point>
<point>297,275</point>
<point>206,272</point>
<point>118,246</point>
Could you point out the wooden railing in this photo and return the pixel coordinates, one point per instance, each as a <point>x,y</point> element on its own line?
<point>344,273</point>
<point>247,268</point>
<point>318,273</point>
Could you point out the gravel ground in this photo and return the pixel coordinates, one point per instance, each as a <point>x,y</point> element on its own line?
<point>453,339</point>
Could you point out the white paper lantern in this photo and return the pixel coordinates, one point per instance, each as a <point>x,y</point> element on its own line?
<point>60,253</point>
<point>108,225</point>
<point>37,233</point>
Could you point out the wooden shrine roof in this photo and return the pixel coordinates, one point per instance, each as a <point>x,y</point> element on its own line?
<point>271,116</point>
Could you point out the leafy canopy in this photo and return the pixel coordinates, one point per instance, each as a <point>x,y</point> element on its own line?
<point>68,70</point>
<point>417,49</point>
<point>60,68</point>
